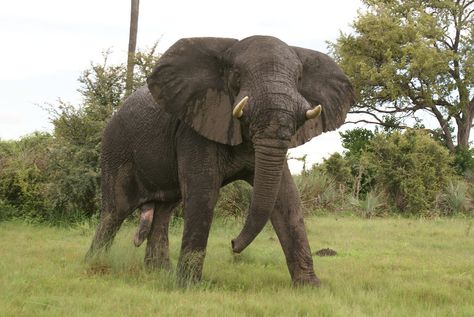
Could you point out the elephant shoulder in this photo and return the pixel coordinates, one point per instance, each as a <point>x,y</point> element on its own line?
<point>142,100</point>
<point>140,107</point>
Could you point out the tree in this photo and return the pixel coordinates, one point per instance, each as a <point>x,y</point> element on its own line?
<point>356,140</point>
<point>413,59</point>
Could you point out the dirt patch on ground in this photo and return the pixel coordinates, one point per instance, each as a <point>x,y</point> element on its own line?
<point>98,269</point>
<point>325,252</point>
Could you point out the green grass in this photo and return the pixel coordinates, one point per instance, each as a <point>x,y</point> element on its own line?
<point>384,267</point>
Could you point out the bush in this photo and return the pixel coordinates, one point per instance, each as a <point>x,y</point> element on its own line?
<point>411,168</point>
<point>319,191</point>
<point>23,177</point>
<point>55,178</point>
<point>371,205</point>
<point>455,198</point>
<point>234,200</point>
<point>464,160</point>
<point>7,211</point>
<point>338,167</point>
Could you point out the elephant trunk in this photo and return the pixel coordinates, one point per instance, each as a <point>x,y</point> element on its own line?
<point>269,163</point>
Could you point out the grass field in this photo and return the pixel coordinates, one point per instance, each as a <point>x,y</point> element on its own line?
<point>384,267</point>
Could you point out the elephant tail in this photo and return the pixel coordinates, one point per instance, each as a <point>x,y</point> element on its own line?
<point>144,226</point>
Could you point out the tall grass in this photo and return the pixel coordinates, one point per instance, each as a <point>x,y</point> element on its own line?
<point>455,198</point>
<point>371,205</point>
<point>319,191</point>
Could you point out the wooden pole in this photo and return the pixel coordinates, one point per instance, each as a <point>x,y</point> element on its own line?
<point>132,45</point>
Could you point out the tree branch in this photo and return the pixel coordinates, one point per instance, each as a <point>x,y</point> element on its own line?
<point>381,123</point>
<point>445,127</point>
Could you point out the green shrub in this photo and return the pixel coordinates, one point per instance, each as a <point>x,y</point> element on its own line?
<point>454,198</point>
<point>351,168</point>
<point>355,141</point>
<point>7,211</point>
<point>319,191</point>
<point>411,168</point>
<point>55,178</point>
<point>338,167</point>
<point>23,176</point>
<point>234,200</point>
<point>464,160</point>
<point>373,204</point>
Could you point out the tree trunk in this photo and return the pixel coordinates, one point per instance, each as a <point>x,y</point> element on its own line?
<point>464,124</point>
<point>132,45</point>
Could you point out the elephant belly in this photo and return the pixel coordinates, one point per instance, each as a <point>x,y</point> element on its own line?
<point>156,169</point>
<point>159,180</point>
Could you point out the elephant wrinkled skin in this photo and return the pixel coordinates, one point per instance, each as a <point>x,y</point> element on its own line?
<point>177,140</point>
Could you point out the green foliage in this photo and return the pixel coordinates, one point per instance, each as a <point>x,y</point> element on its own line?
<point>371,205</point>
<point>55,178</point>
<point>355,141</point>
<point>455,198</point>
<point>234,200</point>
<point>338,167</point>
<point>318,191</point>
<point>24,177</point>
<point>411,168</point>
<point>464,160</point>
<point>404,172</point>
<point>406,58</point>
<point>78,132</point>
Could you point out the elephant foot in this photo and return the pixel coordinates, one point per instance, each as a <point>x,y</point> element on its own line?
<point>306,279</point>
<point>190,268</point>
<point>311,282</point>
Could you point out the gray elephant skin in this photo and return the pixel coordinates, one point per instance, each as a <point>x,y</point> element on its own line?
<point>216,110</point>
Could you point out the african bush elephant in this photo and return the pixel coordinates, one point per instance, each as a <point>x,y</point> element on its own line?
<point>216,110</point>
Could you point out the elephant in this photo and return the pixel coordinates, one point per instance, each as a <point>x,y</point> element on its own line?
<point>216,110</point>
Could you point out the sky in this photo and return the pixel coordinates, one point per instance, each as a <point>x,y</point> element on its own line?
<point>47,44</point>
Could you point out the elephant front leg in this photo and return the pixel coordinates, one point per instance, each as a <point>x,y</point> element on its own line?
<point>287,220</point>
<point>200,181</point>
<point>198,212</point>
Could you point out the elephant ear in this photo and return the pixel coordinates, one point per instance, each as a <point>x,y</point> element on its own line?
<point>188,81</point>
<point>324,83</point>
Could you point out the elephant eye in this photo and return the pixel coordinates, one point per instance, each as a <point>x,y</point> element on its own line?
<point>236,78</point>
<point>235,81</point>
<point>299,81</point>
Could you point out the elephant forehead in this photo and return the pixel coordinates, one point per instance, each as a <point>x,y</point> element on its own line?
<point>271,60</point>
<point>264,51</point>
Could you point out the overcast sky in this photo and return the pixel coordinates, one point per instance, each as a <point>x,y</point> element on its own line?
<point>47,44</point>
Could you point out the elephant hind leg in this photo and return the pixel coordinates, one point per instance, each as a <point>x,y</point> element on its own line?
<point>157,249</point>
<point>104,235</point>
<point>119,200</point>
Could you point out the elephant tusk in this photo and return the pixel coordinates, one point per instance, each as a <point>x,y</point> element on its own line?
<point>239,109</point>
<point>314,113</point>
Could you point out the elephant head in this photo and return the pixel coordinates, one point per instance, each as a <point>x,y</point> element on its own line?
<point>258,91</point>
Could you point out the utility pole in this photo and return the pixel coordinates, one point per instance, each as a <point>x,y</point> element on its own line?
<point>132,45</point>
